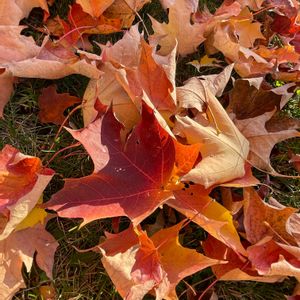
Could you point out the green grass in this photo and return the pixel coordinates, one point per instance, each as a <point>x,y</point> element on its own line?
<point>81,276</point>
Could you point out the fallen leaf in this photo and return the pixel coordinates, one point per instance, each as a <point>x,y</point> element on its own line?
<point>253,128</point>
<point>13,11</point>
<point>195,203</point>
<point>176,30</point>
<point>94,8</point>
<point>250,98</point>
<point>148,265</point>
<point>205,61</point>
<point>271,258</point>
<point>148,156</point>
<point>53,105</point>
<point>223,149</point>
<point>262,219</point>
<point>22,181</point>
<point>18,248</point>
<point>125,10</point>
<point>154,80</point>
<point>237,267</point>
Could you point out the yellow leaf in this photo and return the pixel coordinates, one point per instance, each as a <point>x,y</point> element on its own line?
<point>37,215</point>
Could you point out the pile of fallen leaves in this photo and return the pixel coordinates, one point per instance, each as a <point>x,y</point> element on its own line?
<point>191,148</point>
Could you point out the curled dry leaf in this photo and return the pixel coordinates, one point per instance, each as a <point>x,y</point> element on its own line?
<point>223,149</point>
<point>138,264</point>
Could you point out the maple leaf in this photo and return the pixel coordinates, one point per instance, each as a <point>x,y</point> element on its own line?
<point>231,34</point>
<point>32,61</point>
<point>94,8</point>
<point>176,30</point>
<point>237,267</point>
<point>126,10</point>
<point>18,248</point>
<point>138,264</point>
<point>80,22</point>
<point>130,74</point>
<point>195,204</point>
<point>22,181</point>
<point>272,258</point>
<point>253,128</point>
<point>53,105</point>
<point>262,219</point>
<point>223,149</point>
<point>19,9</point>
<point>148,156</point>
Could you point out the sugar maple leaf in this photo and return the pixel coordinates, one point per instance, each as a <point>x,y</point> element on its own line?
<point>271,258</point>
<point>131,69</point>
<point>223,148</point>
<point>32,61</point>
<point>13,11</point>
<point>237,267</point>
<point>196,204</point>
<point>80,22</point>
<point>18,248</point>
<point>53,105</point>
<point>94,8</point>
<point>176,30</point>
<point>22,181</point>
<point>262,219</point>
<point>138,264</point>
<point>231,34</point>
<point>148,156</point>
<point>252,97</point>
<point>253,128</point>
<point>125,10</point>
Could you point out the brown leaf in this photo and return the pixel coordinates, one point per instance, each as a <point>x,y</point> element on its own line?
<point>262,219</point>
<point>125,10</point>
<point>53,105</point>
<point>253,128</point>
